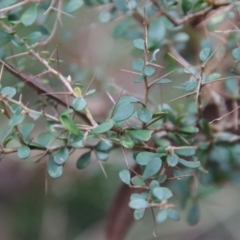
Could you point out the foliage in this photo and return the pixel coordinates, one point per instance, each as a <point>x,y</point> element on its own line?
<point>183,146</point>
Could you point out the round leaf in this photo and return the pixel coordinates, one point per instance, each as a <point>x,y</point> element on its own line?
<point>54,170</point>
<point>84,160</point>
<point>139,43</point>
<point>143,158</point>
<point>149,71</point>
<point>15,120</point>
<point>9,91</point>
<point>143,135</point>
<point>29,16</point>
<point>61,155</point>
<point>189,164</point>
<point>104,127</point>
<point>172,160</point>
<point>162,216</point>
<point>204,54</point>
<point>138,65</point>
<point>162,193</point>
<point>173,214</point>
<point>193,214</point>
<point>138,214</point>
<point>152,168</point>
<point>144,115</point>
<point>123,112</point>
<point>157,31</point>
<point>138,203</point>
<point>23,152</point>
<point>79,104</point>
<point>125,176</point>
<point>236,53</point>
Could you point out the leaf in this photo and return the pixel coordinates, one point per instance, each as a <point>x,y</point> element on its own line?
<point>61,155</point>
<point>236,53</point>
<point>152,168</point>
<point>26,129</point>
<point>90,92</point>
<point>79,104</point>
<point>138,65</point>
<point>102,128</point>
<point>187,5</point>
<point>45,138</point>
<point>123,112</point>
<point>163,80</point>
<point>143,135</point>
<point>104,145</point>
<point>156,31</point>
<point>144,115</point>
<point>162,216</point>
<point>185,152</point>
<point>213,77</point>
<point>191,85</point>
<point>103,156</point>
<point>189,129</point>
<point>149,71</point>
<point>54,170</point>
<point>181,37</point>
<point>138,203</point>
<point>70,125</point>
<point>162,193</point>
<point>139,79</point>
<point>121,28</point>
<point>138,214</point>
<point>143,158</point>
<point>15,120</point>
<point>139,43</point>
<point>193,215</point>
<point>189,164</point>
<point>125,176</point>
<point>8,91</point>
<point>73,5</point>
<point>172,160</point>
<point>126,141</point>
<point>4,37</point>
<point>29,16</point>
<point>204,54</point>
<point>83,160</point>
<point>34,35</point>
<point>23,152</point>
<point>173,214</point>
<point>137,181</point>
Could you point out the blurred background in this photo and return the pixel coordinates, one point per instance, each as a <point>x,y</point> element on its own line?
<point>75,207</point>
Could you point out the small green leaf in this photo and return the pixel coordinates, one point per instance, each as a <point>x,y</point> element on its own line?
<point>191,86</point>
<point>144,115</point>
<point>126,141</point>
<point>162,216</point>
<point>34,35</point>
<point>213,77</point>
<point>143,158</point>
<point>26,129</point>
<point>152,168</point>
<point>8,91</point>
<point>193,215</point>
<point>143,135</point>
<point>121,28</point>
<point>104,145</point>
<point>138,214</point>
<point>29,16</point>
<point>70,125</point>
<point>236,53</point>
<point>90,92</point>
<point>23,152</point>
<point>103,156</point>
<point>139,79</point>
<point>123,112</point>
<point>162,193</point>
<point>79,104</point>
<point>15,120</point>
<point>187,6</point>
<point>45,138</point>
<point>83,160</point>
<point>185,152</point>
<point>189,164</point>
<point>172,160</point>
<point>125,176</point>
<point>157,30</point>
<point>4,37</point>
<point>137,181</point>
<point>173,214</point>
<point>204,54</point>
<point>163,80</point>
<point>61,155</point>
<point>73,5</point>
<point>138,43</point>
<point>138,65</point>
<point>54,170</point>
<point>149,71</point>
<point>138,203</point>
<point>189,129</point>
<point>102,128</point>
